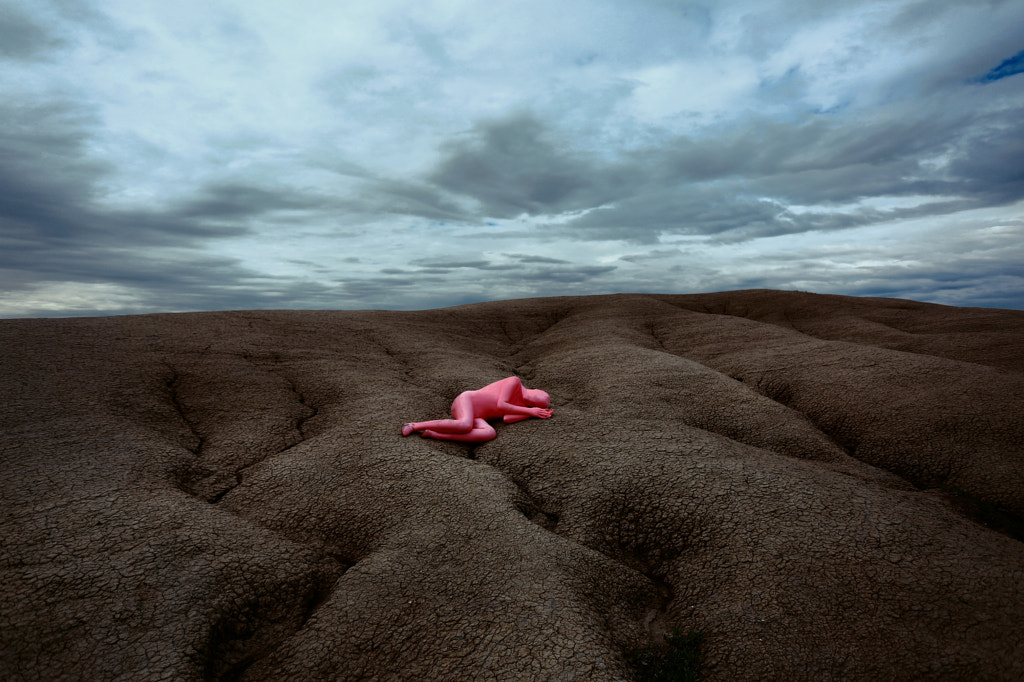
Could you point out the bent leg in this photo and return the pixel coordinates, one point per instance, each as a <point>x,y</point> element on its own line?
<point>462,411</point>
<point>481,431</point>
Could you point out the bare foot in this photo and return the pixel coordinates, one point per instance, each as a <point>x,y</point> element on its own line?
<point>407,429</point>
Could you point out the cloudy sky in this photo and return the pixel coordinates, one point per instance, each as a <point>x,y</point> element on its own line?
<point>244,154</point>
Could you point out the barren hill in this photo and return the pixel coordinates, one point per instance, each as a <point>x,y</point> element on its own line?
<point>826,487</point>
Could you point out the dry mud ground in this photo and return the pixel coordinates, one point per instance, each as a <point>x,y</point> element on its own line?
<point>827,487</point>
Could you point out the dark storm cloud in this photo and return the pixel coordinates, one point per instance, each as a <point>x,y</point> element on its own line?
<point>401,197</point>
<point>526,270</point>
<point>983,266</point>
<point>737,182</point>
<point>958,281</point>
<point>53,228</point>
<point>379,292</point>
<point>48,191</point>
<point>523,258</point>
<point>463,283</point>
<point>657,254</point>
<point>578,273</point>
<point>991,167</point>
<point>22,38</point>
<point>220,201</point>
<point>448,264</point>
<point>517,165</point>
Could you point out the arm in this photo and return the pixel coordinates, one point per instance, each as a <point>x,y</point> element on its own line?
<point>511,389</point>
<point>511,393</point>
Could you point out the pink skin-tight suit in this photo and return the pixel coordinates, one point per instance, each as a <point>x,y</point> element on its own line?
<point>507,399</point>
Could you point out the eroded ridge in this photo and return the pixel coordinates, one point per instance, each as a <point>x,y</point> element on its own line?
<point>825,487</point>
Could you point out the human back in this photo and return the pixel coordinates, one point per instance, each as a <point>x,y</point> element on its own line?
<point>486,400</point>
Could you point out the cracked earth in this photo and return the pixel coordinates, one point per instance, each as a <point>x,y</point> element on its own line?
<point>827,487</point>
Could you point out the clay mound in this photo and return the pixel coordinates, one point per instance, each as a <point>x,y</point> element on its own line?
<point>826,487</point>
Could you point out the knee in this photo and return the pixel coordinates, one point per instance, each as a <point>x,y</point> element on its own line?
<point>486,431</point>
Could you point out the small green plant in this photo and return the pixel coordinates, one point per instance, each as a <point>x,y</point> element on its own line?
<point>677,660</point>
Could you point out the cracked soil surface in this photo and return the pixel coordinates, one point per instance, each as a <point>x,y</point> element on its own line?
<point>827,487</point>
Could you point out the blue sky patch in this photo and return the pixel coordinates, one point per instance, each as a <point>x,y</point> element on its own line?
<point>1008,67</point>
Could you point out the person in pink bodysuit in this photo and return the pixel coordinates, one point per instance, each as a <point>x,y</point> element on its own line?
<point>507,399</point>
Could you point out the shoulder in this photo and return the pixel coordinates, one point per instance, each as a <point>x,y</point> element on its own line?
<point>508,388</point>
<point>508,382</point>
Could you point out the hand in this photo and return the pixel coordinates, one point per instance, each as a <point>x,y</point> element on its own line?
<point>542,412</point>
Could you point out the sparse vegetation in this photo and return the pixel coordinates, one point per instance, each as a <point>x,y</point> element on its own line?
<point>677,660</point>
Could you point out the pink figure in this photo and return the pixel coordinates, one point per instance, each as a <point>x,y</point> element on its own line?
<point>507,399</point>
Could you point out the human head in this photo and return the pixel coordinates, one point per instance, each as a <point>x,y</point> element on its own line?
<point>536,397</point>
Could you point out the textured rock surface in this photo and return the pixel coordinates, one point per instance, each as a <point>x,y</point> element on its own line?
<point>828,487</point>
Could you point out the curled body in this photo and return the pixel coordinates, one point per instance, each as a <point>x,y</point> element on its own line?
<point>506,399</point>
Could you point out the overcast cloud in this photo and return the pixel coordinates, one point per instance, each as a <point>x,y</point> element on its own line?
<point>221,154</point>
